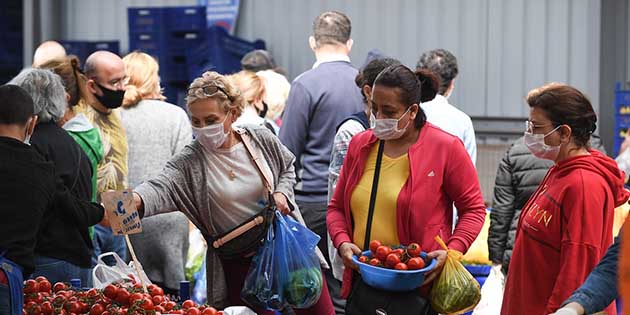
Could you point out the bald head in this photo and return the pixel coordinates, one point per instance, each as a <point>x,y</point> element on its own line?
<point>47,51</point>
<point>101,61</point>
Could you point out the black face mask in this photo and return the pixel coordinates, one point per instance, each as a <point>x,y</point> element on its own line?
<point>111,98</point>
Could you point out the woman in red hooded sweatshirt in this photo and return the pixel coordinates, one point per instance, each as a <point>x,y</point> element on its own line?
<point>424,171</point>
<point>566,226</point>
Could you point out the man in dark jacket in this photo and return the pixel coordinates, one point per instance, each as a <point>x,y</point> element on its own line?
<point>518,176</point>
<point>26,191</point>
<point>64,247</point>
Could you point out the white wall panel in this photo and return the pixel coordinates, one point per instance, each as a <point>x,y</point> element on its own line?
<point>505,47</point>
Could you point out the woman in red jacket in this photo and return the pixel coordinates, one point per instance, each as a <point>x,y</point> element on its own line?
<point>424,171</point>
<point>566,226</point>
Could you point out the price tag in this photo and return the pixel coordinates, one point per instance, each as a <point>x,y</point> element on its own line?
<point>121,212</point>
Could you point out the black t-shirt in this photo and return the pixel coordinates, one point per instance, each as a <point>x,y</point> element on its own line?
<point>27,188</point>
<point>64,234</point>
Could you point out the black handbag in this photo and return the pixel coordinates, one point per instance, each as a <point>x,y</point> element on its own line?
<point>245,239</point>
<point>367,300</point>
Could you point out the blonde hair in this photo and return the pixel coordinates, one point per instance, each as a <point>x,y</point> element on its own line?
<point>144,81</point>
<point>276,92</point>
<point>252,86</point>
<point>195,92</point>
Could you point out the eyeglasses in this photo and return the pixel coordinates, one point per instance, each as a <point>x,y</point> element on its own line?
<point>530,126</point>
<point>211,90</point>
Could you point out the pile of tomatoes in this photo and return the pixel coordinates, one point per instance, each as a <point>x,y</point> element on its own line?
<point>399,257</point>
<point>43,298</point>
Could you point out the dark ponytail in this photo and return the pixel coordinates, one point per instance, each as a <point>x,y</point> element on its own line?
<point>415,87</point>
<point>369,73</point>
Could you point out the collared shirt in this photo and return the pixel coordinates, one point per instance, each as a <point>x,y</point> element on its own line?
<point>331,58</point>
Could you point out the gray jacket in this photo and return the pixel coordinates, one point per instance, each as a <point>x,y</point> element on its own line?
<point>181,187</point>
<point>518,175</point>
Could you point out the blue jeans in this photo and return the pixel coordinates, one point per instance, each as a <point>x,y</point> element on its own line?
<point>5,299</point>
<point>56,270</point>
<point>105,241</point>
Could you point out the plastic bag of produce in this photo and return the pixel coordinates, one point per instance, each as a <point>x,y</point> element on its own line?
<point>104,274</point>
<point>455,291</point>
<point>262,287</point>
<point>298,265</point>
<point>200,294</point>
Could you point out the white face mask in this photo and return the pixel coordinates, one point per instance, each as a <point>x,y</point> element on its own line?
<point>535,142</point>
<point>212,136</point>
<point>387,128</point>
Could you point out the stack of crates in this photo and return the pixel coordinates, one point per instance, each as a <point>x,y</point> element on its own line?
<point>167,33</point>
<point>220,52</point>
<point>11,59</point>
<point>84,49</point>
<point>622,116</point>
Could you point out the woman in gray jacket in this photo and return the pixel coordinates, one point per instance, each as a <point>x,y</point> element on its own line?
<point>215,182</point>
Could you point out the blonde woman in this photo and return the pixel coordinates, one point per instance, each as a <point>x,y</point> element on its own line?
<point>215,182</point>
<point>156,131</point>
<point>277,89</point>
<point>253,89</point>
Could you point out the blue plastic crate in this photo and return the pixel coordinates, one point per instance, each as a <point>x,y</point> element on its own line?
<point>180,42</point>
<point>186,18</point>
<point>173,69</point>
<point>220,52</point>
<point>113,46</point>
<point>143,20</point>
<point>622,116</point>
<point>147,42</point>
<point>176,94</point>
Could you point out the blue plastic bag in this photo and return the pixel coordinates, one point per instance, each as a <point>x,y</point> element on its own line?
<point>299,270</point>
<point>285,271</point>
<point>199,294</point>
<point>262,288</point>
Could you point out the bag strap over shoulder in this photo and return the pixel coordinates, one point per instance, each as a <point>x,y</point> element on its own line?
<point>377,169</point>
<point>255,157</point>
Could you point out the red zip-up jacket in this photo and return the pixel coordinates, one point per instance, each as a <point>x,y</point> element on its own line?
<point>441,174</point>
<point>563,232</point>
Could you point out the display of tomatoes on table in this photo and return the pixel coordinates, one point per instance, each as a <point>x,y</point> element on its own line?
<point>42,298</point>
<point>399,257</point>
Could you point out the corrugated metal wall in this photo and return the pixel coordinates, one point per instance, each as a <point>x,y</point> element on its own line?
<point>504,47</point>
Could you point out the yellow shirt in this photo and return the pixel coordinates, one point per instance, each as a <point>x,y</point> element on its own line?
<point>393,175</point>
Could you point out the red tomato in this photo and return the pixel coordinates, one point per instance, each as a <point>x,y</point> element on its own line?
<point>375,262</point>
<point>40,279</point>
<point>169,305</point>
<point>415,263</point>
<point>31,286</point>
<point>135,297</point>
<point>374,244</point>
<point>193,311</point>
<point>157,299</point>
<point>382,252</point>
<point>92,293</point>
<point>401,266</point>
<point>110,291</point>
<point>47,308</point>
<point>391,260</point>
<point>413,250</point>
<point>106,313</point>
<point>156,291</point>
<point>44,285</point>
<point>73,307</point>
<point>188,304</point>
<point>181,312</point>
<point>122,296</point>
<point>364,259</point>
<point>209,311</point>
<point>220,313</point>
<point>59,286</point>
<point>97,309</point>
<point>146,304</point>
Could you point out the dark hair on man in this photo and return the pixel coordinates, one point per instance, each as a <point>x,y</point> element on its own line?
<point>16,105</point>
<point>441,62</point>
<point>258,60</point>
<point>415,87</point>
<point>368,74</point>
<point>566,105</point>
<point>331,28</point>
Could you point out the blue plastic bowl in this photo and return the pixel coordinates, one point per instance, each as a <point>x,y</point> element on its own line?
<point>391,279</point>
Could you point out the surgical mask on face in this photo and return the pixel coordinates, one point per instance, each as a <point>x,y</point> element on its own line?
<point>110,98</point>
<point>213,136</point>
<point>535,142</point>
<point>387,128</point>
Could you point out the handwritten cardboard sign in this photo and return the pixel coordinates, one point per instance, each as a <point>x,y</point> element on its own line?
<point>121,212</point>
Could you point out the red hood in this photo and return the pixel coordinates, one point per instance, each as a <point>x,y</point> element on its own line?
<point>603,165</point>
